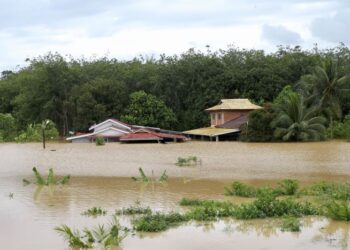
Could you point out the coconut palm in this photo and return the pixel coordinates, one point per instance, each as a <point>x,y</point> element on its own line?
<point>296,122</point>
<point>325,87</point>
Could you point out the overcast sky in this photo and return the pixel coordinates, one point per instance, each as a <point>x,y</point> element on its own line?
<point>128,28</point>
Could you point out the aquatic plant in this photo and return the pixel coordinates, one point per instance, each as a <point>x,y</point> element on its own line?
<point>144,178</point>
<point>94,211</point>
<point>187,161</point>
<point>105,235</point>
<point>132,210</point>
<point>284,187</point>
<point>158,222</point>
<point>100,141</point>
<point>211,210</point>
<point>338,210</point>
<point>74,237</point>
<point>287,187</point>
<point>50,180</point>
<point>266,205</point>
<point>240,189</point>
<point>338,191</point>
<point>290,224</point>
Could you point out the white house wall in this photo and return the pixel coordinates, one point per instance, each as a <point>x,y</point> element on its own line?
<point>109,132</point>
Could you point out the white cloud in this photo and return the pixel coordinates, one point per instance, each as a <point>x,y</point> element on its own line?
<point>127,28</point>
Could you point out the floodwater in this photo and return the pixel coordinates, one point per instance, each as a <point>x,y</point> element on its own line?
<point>101,177</point>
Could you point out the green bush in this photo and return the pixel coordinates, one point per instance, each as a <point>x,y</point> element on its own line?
<point>158,222</point>
<point>338,210</point>
<point>290,224</point>
<point>187,161</point>
<point>100,141</point>
<point>134,210</point>
<point>94,212</point>
<point>287,187</point>
<point>258,128</point>
<point>341,130</point>
<point>239,189</point>
<point>338,191</point>
<point>33,133</point>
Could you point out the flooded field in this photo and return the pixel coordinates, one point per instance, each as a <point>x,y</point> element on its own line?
<point>101,177</point>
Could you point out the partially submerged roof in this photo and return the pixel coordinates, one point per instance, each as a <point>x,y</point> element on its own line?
<point>211,131</point>
<point>147,134</point>
<point>112,121</point>
<point>234,104</point>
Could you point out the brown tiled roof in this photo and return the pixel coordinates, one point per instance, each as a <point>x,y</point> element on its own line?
<point>234,104</point>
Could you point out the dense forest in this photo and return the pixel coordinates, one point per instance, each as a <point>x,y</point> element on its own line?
<point>75,93</point>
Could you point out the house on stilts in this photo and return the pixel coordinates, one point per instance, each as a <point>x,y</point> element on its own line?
<point>226,119</point>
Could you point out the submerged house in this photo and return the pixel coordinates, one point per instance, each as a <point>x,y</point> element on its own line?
<point>226,118</point>
<point>113,130</point>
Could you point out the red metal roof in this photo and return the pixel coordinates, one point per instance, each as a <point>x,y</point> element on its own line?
<point>146,134</point>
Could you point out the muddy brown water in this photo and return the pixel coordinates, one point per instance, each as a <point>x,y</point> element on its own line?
<point>101,177</point>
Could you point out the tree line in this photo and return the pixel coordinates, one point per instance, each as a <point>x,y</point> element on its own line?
<point>76,93</point>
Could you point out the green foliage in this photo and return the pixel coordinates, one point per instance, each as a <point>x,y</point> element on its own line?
<point>106,236</point>
<point>295,122</point>
<point>338,191</point>
<point>340,130</point>
<point>8,127</point>
<point>284,187</point>
<point>94,212</point>
<point>266,205</point>
<point>239,189</point>
<point>158,222</point>
<point>288,187</point>
<point>144,178</point>
<point>258,128</point>
<point>338,210</point>
<point>76,93</point>
<point>50,180</point>
<point>187,161</point>
<point>290,224</point>
<point>132,210</point>
<point>100,141</point>
<point>146,109</point>
<point>33,133</point>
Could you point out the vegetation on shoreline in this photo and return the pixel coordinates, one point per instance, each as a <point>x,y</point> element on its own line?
<point>75,93</point>
<point>50,180</point>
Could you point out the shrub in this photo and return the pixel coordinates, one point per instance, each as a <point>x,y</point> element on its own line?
<point>33,133</point>
<point>288,187</point>
<point>158,222</point>
<point>290,224</point>
<point>100,141</point>
<point>239,189</point>
<point>187,161</point>
<point>134,210</point>
<point>341,130</point>
<point>338,210</point>
<point>94,211</point>
<point>338,191</point>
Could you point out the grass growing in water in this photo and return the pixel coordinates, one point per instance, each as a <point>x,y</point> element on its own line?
<point>338,191</point>
<point>158,222</point>
<point>290,224</point>
<point>144,178</point>
<point>338,210</point>
<point>108,235</point>
<point>135,209</point>
<point>94,211</point>
<point>50,180</point>
<point>187,161</point>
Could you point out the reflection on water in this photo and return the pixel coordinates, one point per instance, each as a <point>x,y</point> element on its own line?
<point>34,212</point>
